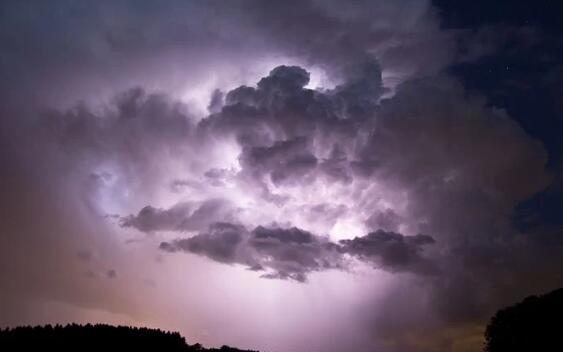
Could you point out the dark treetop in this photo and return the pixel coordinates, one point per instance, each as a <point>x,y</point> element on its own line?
<point>97,337</point>
<point>535,324</point>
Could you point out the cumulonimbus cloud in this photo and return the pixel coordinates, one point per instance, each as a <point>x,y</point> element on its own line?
<point>375,169</point>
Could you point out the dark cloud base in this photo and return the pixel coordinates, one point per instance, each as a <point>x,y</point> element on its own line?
<point>293,253</point>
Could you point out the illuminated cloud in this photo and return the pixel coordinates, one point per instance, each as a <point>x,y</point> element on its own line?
<point>293,253</point>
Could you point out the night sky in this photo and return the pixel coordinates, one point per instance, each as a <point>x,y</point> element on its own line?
<point>288,176</point>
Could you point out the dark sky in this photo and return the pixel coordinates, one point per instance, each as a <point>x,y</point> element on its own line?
<point>522,77</point>
<point>281,175</point>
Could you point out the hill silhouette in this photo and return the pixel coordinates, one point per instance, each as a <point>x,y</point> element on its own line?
<point>535,324</point>
<point>98,337</point>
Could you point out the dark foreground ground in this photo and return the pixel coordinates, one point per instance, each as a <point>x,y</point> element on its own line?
<point>99,338</point>
<point>535,324</point>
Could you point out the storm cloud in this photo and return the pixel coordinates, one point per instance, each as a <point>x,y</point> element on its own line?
<point>293,253</point>
<point>322,144</point>
<point>181,217</point>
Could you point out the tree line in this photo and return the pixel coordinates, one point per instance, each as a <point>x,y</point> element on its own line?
<point>98,337</point>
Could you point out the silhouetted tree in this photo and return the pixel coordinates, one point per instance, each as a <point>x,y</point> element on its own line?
<point>535,324</point>
<point>99,337</point>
